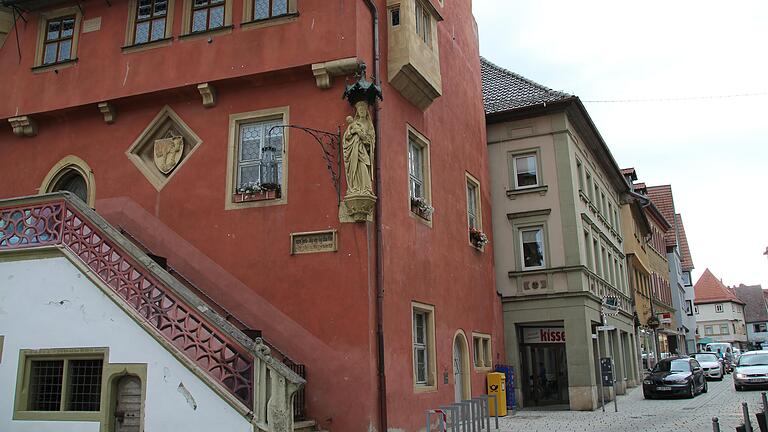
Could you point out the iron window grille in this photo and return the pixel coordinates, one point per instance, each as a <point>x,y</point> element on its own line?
<point>207,15</point>
<point>59,36</point>
<point>265,9</point>
<point>151,18</point>
<point>74,384</point>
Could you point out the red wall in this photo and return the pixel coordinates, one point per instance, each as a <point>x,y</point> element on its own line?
<point>318,308</point>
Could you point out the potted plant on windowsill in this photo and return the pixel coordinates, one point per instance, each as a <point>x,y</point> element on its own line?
<point>254,191</point>
<point>421,207</point>
<point>477,238</point>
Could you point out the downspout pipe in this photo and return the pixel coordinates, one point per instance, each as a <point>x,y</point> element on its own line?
<point>377,221</point>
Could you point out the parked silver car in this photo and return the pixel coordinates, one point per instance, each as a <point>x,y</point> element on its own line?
<point>713,368</point>
<point>751,370</point>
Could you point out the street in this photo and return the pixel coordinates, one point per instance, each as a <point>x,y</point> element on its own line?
<point>678,414</point>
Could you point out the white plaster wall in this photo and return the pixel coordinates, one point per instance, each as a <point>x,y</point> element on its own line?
<point>49,303</point>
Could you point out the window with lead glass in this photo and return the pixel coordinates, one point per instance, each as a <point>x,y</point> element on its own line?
<point>526,171</point>
<point>255,139</point>
<point>51,389</point>
<point>420,357</point>
<point>207,15</point>
<point>59,37</point>
<point>150,21</point>
<point>532,242</point>
<point>416,169</point>
<point>263,9</point>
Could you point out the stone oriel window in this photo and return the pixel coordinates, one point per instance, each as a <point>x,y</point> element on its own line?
<point>58,34</point>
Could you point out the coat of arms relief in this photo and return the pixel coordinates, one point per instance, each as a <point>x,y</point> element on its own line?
<point>168,151</point>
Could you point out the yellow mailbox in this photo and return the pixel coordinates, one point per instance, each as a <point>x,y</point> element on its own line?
<point>497,386</point>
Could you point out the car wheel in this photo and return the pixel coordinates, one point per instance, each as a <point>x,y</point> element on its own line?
<point>704,389</point>
<point>738,388</point>
<point>647,396</point>
<point>691,391</point>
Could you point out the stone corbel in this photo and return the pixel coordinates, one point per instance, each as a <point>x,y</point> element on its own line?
<point>23,126</point>
<point>109,112</point>
<point>324,72</point>
<point>208,92</point>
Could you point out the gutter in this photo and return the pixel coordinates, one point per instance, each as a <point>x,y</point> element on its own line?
<point>379,283</point>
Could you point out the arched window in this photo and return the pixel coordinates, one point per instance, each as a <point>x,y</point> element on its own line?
<point>73,182</point>
<point>71,174</point>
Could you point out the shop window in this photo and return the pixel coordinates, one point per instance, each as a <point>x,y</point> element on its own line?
<point>258,159</point>
<point>424,367</point>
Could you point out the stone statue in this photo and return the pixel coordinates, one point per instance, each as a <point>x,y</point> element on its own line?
<point>358,144</point>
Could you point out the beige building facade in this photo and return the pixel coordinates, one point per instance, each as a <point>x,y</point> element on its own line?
<point>558,248</point>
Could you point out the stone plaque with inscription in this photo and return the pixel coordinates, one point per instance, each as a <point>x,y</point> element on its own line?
<point>314,242</point>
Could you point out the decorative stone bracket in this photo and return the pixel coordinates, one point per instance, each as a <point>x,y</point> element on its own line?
<point>109,112</point>
<point>208,92</point>
<point>324,72</point>
<point>23,126</point>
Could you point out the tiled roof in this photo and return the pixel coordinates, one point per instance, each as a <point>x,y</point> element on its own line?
<point>709,289</point>
<point>661,196</point>
<point>754,297</point>
<point>638,186</point>
<point>504,90</point>
<point>686,261</point>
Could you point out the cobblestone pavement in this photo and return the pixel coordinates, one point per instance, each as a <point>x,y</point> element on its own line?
<point>640,415</point>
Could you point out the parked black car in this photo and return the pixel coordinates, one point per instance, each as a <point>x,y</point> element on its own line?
<point>675,376</point>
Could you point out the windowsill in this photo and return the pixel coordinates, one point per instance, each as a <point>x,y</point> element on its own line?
<point>85,416</point>
<point>266,22</point>
<point>421,388</point>
<point>201,34</point>
<point>54,66</point>
<point>513,193</point>
<point>147,45</point>
<point>258,196</point>
<point>483,368</point>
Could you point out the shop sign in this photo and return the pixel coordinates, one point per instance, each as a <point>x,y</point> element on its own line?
<point>543,335</point>
<point>666,318</point>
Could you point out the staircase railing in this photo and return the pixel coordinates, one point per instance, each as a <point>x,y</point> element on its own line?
<point>238,368</point>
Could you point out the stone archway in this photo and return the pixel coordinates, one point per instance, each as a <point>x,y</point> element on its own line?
<point>461,365</point>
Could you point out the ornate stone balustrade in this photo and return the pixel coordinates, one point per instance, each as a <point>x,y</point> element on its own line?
<point>241,366</point>
<point>601,288</point>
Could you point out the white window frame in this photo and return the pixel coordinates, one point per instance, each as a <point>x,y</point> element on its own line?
<point>279,156</point>
<point>696,309</point>
<point>416,169</point>
<point>420,347</point>
<point>535,157</point>
<point>540,229</point>
<point>719,308</point>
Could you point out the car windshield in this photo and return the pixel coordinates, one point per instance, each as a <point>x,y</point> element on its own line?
<point>705,357</point>
<point>673,366</point>
<point>753,360</point>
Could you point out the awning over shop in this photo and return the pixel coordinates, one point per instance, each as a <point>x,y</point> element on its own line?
<point>705,340</point>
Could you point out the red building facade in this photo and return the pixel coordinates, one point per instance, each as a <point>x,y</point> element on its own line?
<point>88,88</point>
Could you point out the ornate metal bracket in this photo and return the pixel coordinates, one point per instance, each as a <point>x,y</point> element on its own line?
<point>330,143</point>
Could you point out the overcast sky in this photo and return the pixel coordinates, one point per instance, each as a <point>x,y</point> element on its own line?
<point>712,150</point>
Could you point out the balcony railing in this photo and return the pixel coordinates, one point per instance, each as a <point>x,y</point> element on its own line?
<point>239,365</point>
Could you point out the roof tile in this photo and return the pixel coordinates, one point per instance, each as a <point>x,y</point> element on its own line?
<point>504,90</point>
<point>709,289</point>
<point>754,297</point>
<point>685,252</point>
<point>662,199</point>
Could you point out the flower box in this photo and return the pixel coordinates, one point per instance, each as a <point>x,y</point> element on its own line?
<point>478,238</point>
<point>421,208</point>
<point>261,192</point>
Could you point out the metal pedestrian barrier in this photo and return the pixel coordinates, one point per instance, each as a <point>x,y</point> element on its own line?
<point>471,415</point>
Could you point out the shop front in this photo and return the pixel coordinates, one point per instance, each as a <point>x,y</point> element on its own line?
<point>544,366</point>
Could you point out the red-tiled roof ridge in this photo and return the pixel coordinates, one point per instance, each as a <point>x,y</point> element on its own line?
<point>661,196</point>
<point>686,260</point>
<point>709,289</point>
